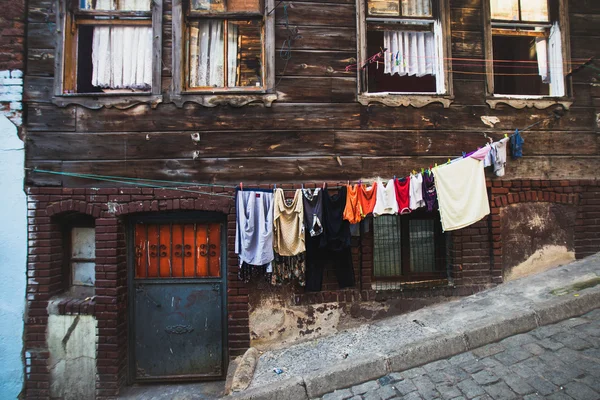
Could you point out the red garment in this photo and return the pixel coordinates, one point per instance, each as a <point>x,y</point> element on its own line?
<point>367,198</point>
<point>403,195</point>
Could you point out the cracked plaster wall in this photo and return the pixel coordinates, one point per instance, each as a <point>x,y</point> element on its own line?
<point>72,356</point>
<point>13,259</point>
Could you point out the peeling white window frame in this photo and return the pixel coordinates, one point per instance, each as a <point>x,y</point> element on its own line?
<point>529,101</point>
<point>236,97</point>
<point>119,100</point>
<point>404,99</point>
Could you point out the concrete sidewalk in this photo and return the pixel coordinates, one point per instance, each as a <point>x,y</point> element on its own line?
<point>407,341</point>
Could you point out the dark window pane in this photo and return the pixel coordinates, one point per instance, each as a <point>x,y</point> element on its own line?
<point>516,69</point>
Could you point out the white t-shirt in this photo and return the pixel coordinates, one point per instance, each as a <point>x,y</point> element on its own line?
<point>416,192</point>
<point>386,199</point>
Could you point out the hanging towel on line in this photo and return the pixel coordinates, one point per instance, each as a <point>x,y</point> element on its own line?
<point>462,193</point>
<point>416,192</point>
<point>367,196</point>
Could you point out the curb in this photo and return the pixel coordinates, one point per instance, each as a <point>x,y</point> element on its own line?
<point>357,371</point>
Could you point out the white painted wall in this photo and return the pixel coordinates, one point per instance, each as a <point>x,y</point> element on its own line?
<point>13,259</point>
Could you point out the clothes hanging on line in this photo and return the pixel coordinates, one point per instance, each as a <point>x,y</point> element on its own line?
<point>416,192</point>
<point>288,268</point>
<point>313,211</point>
<point>499,156</point>
<point>516,144</point>
<point>254,227</point>
<point>429,192</point>
<point>248,272</point>
<point>462,193</point>
<point>386,202</point>
<point>334,246</point>
<point>352,212</point>
<point>403,195</point>
<point>367,197</point>
<point>288,224</point>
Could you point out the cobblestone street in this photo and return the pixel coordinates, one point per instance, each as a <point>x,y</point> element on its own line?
<point>560,361</point>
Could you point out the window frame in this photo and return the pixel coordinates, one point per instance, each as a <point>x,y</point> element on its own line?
<point>529,101</point>
<point>418,100</point>
<point>212,97</point>
<point>441,241</point>
<point>99,100</point>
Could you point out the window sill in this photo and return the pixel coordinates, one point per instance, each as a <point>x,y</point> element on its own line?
<point>71,303</point>
<point>219,99</point>
<point>404,100</point>
<point>520,102</point>
<point>107,100</point>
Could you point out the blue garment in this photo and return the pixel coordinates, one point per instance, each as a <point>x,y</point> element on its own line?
<point>254,227</point>
<point>516,144</point>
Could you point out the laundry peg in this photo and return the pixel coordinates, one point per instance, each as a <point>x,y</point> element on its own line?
<point>274,186</point>
<point>506,135</point>
<point>241,186</point>
<point>449,161</point>
<point>436,165</point>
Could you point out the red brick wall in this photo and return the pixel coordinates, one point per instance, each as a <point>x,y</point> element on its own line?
<point>45,207</point>
<point>475,262</point>
<point>12,34</point>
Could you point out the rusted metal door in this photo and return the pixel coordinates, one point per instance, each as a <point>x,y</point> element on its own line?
<point>178,303</point>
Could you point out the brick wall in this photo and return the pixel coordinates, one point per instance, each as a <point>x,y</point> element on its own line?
<point>108,206</point>
<point>475,259</point>
<point>12,64</point>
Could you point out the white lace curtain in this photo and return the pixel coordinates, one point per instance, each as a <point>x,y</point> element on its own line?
<point>415,53</point>
<point>122,55</point>
<point>207,61</point>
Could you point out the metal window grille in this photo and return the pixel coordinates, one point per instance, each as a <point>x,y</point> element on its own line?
<point>408,248</point>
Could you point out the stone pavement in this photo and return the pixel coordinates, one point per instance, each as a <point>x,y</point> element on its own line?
<point>560,361</point>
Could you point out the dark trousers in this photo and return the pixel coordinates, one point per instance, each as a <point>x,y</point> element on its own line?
<point>316,259</point>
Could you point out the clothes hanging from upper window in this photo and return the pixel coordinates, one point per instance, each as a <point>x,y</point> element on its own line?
<point>403,195</point>
<point>313,211</point>
<point>386,202</point>
<point>429,192</point>
<point>367,197</point>
<point>352,212</point>
<point>462,193</point>
<point>254,227</point>
<point>288,223</point>
<point>416,192</point>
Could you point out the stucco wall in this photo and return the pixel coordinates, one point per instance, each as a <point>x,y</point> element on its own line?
<point>13,253</point>
<point>72,346</point>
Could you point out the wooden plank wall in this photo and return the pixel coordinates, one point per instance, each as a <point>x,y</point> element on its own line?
<point>315,130</point>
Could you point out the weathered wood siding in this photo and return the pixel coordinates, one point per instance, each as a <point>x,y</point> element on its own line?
<point>316,118</point>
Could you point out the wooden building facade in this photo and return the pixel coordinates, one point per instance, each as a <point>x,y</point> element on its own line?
<point>298,109</point>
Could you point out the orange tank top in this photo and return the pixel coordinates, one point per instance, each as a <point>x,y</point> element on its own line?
<point>352,210</point>
<point>367,198</point>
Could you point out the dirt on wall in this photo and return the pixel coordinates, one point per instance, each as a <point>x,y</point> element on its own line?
<point>276,322</point>
<point>536,237</point>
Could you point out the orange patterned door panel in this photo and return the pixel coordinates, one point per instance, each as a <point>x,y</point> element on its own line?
<point>169,250</point>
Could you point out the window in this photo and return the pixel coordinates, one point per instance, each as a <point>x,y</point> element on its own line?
<point>526,41</point>
<point>108,48</point>
<point>403,51</point>
<point>220,48</point>
<point>79,255</point>
<point>408,247</point>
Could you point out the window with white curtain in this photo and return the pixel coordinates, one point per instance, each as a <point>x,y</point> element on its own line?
<point>224,45</point>
<point>405,47</point>
<point>525,41</point>
<point>108,47</point>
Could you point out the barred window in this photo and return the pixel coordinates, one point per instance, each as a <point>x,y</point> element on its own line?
<point>408,248</point>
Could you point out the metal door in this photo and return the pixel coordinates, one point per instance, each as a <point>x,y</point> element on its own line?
<point>177,311</point>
